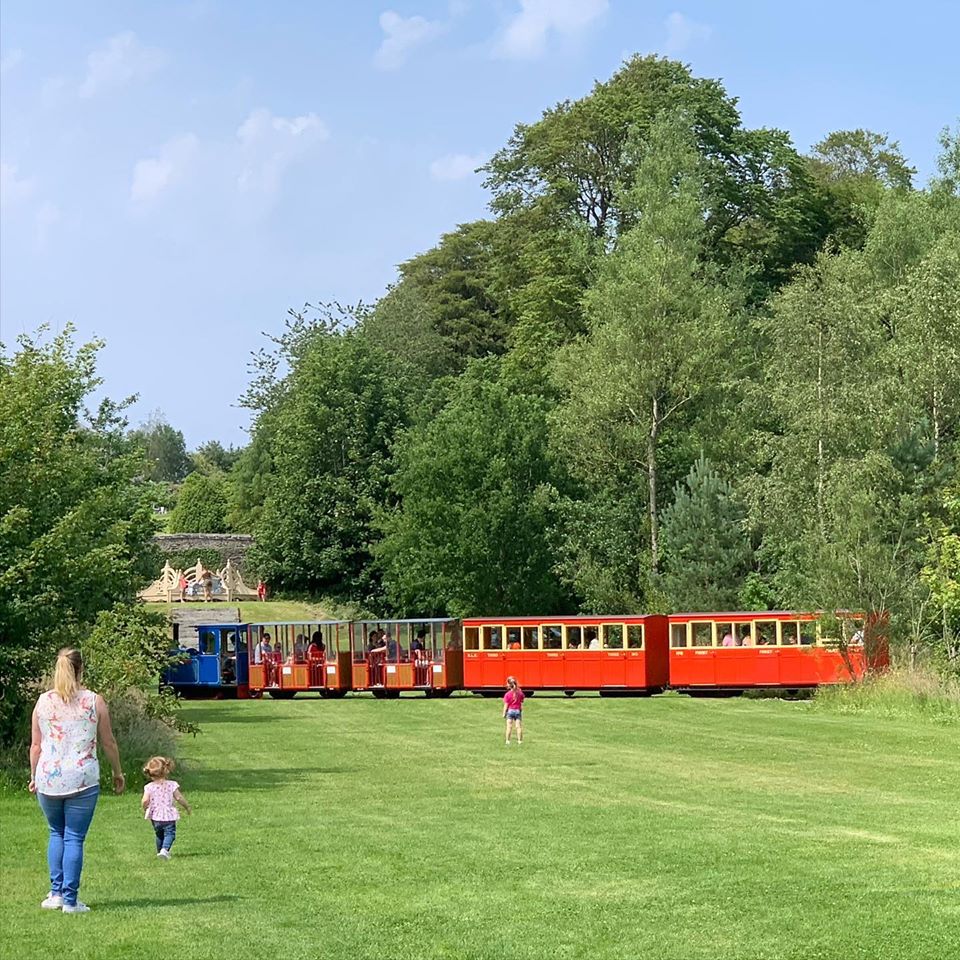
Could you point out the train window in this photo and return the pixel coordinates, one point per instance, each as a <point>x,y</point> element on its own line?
<point>766,633</point>
<point>471,638</point>
<point>789,633</point>
<point>574,638</point>
<point>552,636</point>
<point>702,634</point>
<point>590,639</point>
<point>635,636</point>
<point>513,638</point>
<point>808,633</point>
<point>678,635</point>
<point>727,635</point>
<point>612,636</point>
<point>230,641</point>
<point>207,640</point>
<point>531,638</point>
<point>492,638</point>
<point>852,631</point>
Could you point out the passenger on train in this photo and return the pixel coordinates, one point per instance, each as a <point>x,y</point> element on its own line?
<point>729,640</point>
<point>317,649</point>
<point>376,651</point>
<point>228,672</point>
<point>263,649</point>
<point>593,641</point>
<point>299,649</point>
<point>391,646</point>
<point>418,649</point>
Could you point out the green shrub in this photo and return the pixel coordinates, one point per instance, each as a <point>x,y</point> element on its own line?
<point>900,693</point>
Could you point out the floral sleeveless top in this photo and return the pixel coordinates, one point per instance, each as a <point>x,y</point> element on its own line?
<point>68,744</point>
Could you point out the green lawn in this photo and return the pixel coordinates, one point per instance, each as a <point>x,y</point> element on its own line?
<point>661,828</point>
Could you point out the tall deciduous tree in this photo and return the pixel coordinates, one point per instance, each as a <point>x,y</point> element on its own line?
<point>75,515</point>
<point>658,327</point>
<point>201,505</point>
<point>475,489</point>
<point>332,421</point>
<point>165,449</point>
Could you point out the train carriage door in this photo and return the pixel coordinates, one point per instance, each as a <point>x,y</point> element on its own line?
<point>729,654</point>
<point>636,674</point>
<point>532,658</point>
<point>574,677</point>
<point>681,657</point>
<point>552,670</point>
<point>208,658</point>
<point>494,670</point>
<point>766,670</point>
<point>614,662</point>
<point>702,669</point>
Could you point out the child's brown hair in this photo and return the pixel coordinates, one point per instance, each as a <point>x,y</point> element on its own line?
<point>156,768</point>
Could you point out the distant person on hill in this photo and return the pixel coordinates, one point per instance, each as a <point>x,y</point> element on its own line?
<point>184,586</point>
<point>206,578</point>
<point>513,709</point>
<point>261,590</point>
<point>65,773</point>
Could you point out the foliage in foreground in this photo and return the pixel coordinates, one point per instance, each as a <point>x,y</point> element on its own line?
<point>75,515</point>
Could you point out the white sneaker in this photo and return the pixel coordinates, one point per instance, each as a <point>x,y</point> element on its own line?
<point>164,854</point>
<point>53,901</point>
<point>77,907</point>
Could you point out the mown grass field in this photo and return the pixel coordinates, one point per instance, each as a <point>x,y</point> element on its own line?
<point>661,828</point>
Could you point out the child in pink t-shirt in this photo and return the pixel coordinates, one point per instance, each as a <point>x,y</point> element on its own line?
<point>159,797</point>
<point>513,709</point>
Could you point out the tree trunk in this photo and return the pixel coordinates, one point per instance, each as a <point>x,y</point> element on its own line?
<point>820,455</point>
<point>652,481</point>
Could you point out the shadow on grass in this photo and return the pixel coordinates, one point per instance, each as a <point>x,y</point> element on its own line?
<point>154,902</point>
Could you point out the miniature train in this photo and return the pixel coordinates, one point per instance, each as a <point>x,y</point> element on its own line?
<point>615,655</point>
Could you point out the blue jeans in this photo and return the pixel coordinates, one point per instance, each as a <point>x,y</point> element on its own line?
<point>166,831</point>
<point>69,819</point>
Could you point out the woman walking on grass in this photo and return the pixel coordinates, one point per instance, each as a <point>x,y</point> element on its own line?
<point>513,709</point>
<point>65,773</point>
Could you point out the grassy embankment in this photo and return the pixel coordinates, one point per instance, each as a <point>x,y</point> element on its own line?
<point>668,828</point>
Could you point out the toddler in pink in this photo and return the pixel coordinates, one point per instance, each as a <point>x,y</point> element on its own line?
<point>160,797</point>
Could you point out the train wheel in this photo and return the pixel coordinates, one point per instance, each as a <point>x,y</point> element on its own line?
<point>282,694</point>
<point>337,694</point>
<point>569,693</point>
<point>256,694</point>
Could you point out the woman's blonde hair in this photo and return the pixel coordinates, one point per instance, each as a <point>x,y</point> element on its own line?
<point>158,767</point>
<point>67,674</point>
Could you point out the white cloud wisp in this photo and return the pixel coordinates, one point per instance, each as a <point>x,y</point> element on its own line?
<point>525,37</point>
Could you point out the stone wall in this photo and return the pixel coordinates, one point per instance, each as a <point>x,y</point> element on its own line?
<point>230,546</point>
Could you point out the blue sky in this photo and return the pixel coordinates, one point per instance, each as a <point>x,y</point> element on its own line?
<point>176,175</point>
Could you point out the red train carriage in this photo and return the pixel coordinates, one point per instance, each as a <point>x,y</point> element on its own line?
<point>610,654</point>
<point>734,651</point>
<point>389,656</point>
<point>286,658</point>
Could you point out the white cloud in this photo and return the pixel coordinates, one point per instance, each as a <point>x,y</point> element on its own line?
<point>682,32</point>
<point>454,166</point>
<point>525,37</point>
<point>9,60</point>
<point>153,175</point>
<point>401,36</point>
<point>121,59</point>
<point>269,144</point>
<point>14,189</point>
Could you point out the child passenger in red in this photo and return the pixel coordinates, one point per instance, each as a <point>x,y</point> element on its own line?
<point>159,797</point>
<point>513,709</point>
